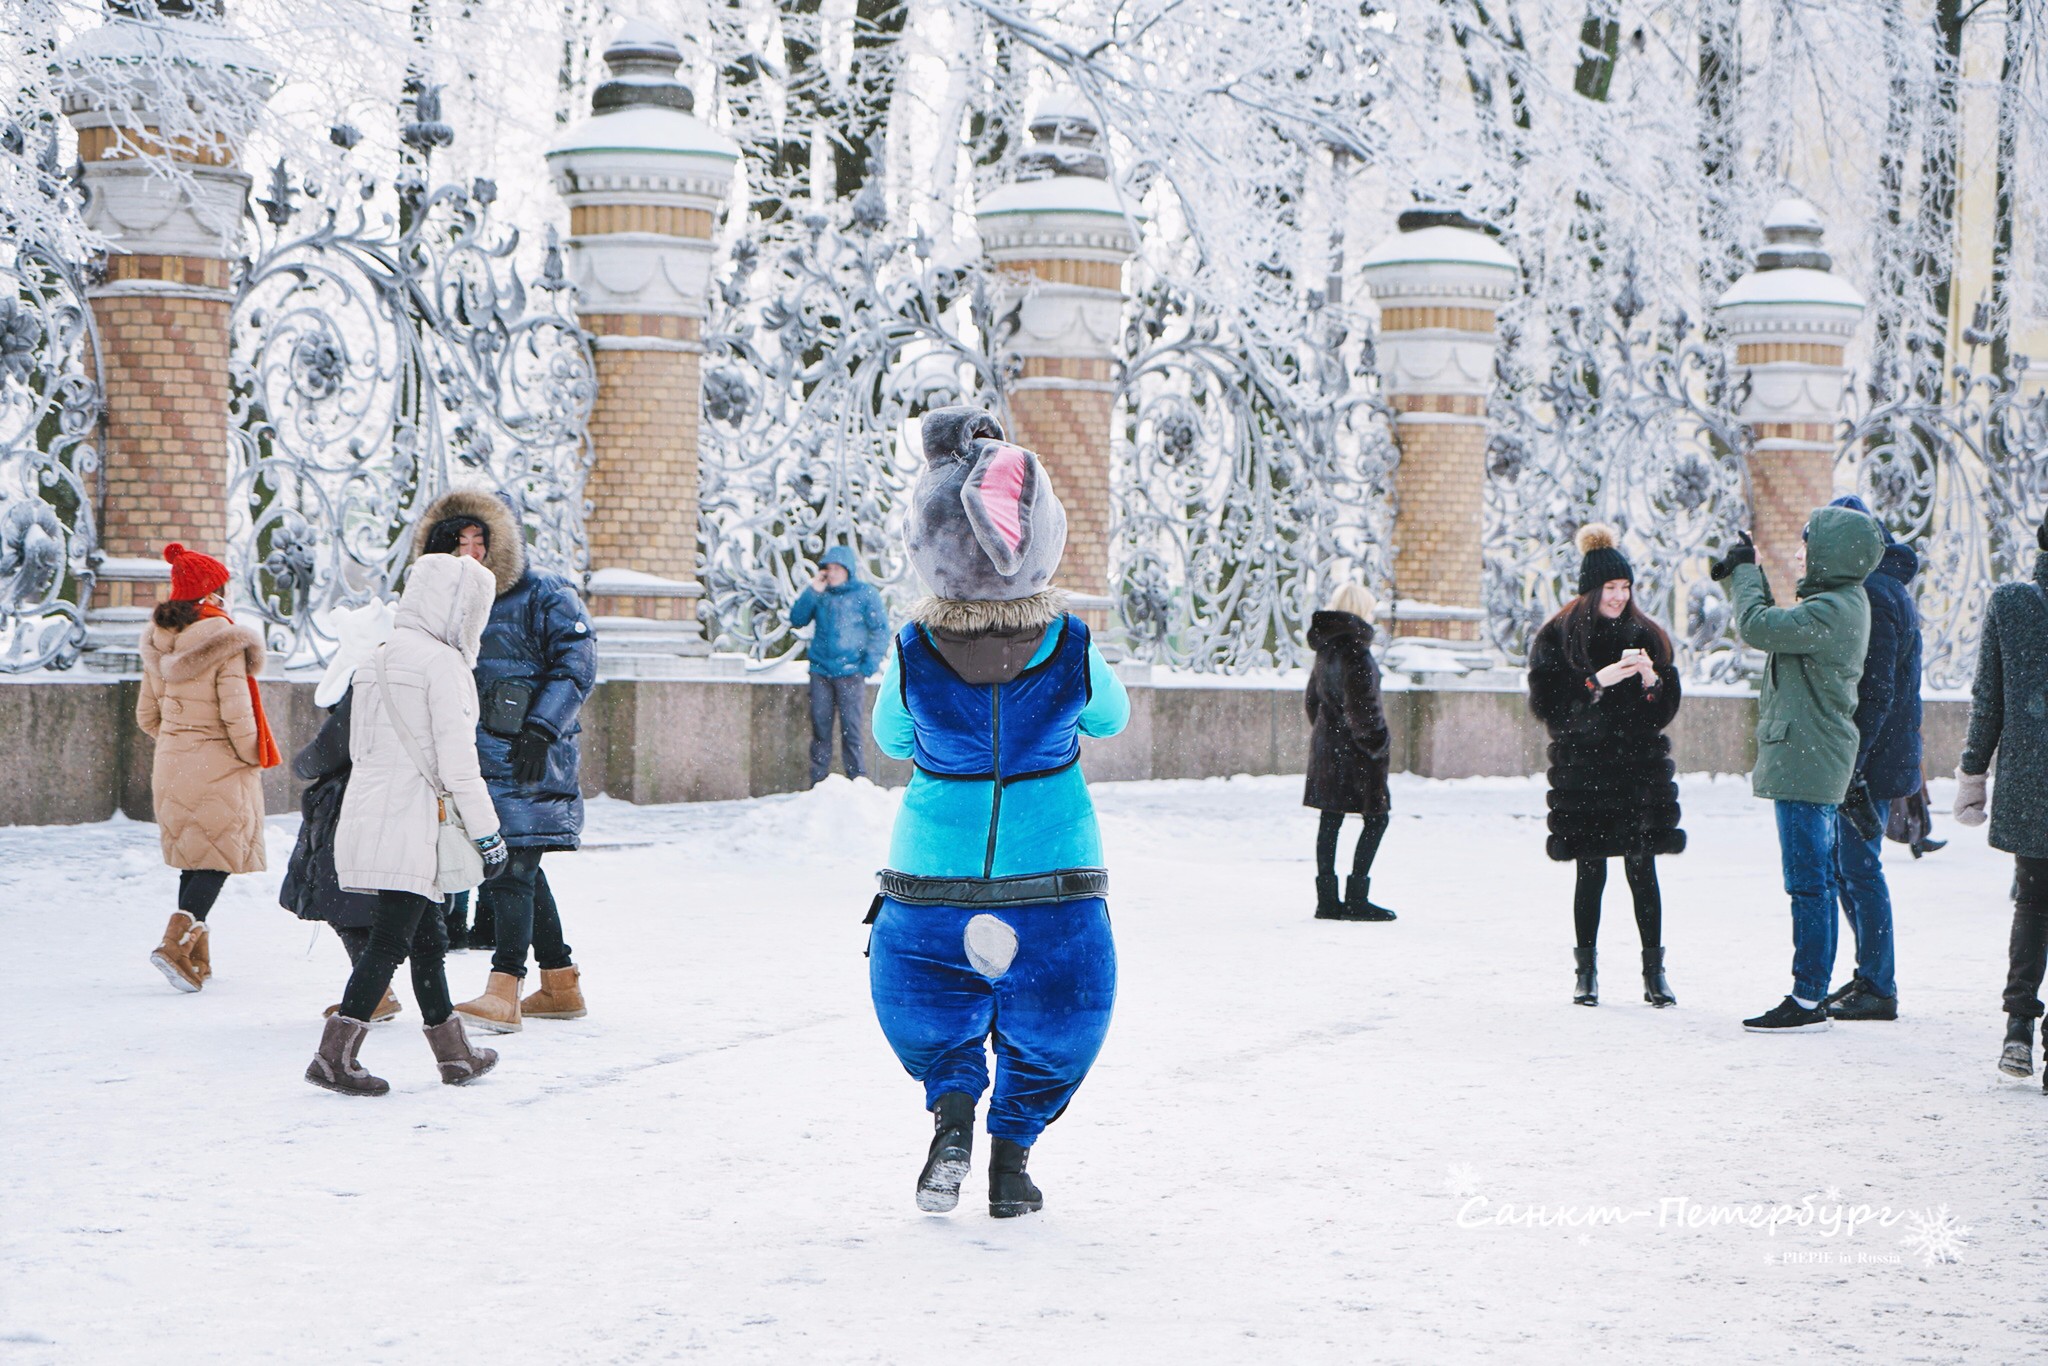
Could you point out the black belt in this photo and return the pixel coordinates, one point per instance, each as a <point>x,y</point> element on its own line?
<point>1028,889</point>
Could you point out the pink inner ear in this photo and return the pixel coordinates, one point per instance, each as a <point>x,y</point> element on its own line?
<point>1002,491</point>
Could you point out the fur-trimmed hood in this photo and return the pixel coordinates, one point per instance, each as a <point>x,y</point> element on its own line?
<point>179,656</point>
<point>961,616</point>
<point>506,557</point>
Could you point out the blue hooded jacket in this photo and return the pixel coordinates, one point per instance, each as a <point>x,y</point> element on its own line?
<point>852,636</point>
<point>1888,697</point>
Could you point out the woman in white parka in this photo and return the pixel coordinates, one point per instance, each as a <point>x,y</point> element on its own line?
<point>390,819</point>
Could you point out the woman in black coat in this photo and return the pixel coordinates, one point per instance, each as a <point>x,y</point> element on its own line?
<point>1602,682</point>
<point>1347,756</point>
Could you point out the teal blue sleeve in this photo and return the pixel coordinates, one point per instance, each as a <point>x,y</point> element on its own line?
<point>805,607</point>
<point>891,722</point>
<point>1109,705</point>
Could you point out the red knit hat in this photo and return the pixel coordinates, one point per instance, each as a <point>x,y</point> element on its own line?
<point>193,575</point>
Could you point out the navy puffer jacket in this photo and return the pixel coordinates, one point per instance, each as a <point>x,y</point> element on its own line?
<point>1888,698</point>
<point>538,633</point>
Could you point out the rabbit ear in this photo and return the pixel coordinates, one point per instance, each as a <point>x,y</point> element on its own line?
<point>998,494</point>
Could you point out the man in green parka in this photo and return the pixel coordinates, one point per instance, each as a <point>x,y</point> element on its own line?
<point>1806,728</point>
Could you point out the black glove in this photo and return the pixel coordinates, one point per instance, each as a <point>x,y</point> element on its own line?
<point>1742,552</point>
<point>530,756</point>
<point>1860,811</point>
<point>497,858</point>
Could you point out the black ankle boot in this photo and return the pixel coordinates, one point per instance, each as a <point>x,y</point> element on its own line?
<point>2018,1058</point>
<point>1328,905</point>
<point>457,923</point>
<point>1010,1192</point>
<point>945,1167</point>
<point>1358,901</point>
<point>1656,990</point>
<point>1586,982</point>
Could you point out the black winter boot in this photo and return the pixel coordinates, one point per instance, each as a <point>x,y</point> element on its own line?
<point>1656,990</point>
<point>457,923</point>
<point>945,1167</point>
<point>1586,982</point>
<point>1358,901</point>
<point>1010,1192</point>
<point>1328,905</point>
<point>2018,1058</point>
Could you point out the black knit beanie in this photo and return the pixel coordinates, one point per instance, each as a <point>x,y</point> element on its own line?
<point>447,534</point>
<point>1603,562</point>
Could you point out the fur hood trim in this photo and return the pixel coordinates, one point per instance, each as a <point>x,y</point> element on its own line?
<point>962,617</point>
<point>200,648</point>
<point>506,559</point>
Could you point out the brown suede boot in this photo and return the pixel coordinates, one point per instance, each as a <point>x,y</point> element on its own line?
<point>460,1063</point>
<point>202,951</point>
<point>173,957</point>
<point>386,1008</point>
<point>335,1068</point>
<point>497,1010</point>
<point>560,996</point>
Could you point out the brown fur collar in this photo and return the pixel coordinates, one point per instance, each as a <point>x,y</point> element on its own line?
<point>961,617</point>
<point>506,559</point>
<point>180,656</point>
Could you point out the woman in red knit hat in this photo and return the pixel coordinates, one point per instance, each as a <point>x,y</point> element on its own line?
<point>199,703</point>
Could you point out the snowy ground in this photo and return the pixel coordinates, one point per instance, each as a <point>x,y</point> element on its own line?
<point>1271,1162</point>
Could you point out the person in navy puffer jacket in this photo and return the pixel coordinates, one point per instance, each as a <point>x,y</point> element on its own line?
<point>848,644</point>
<point>992,925</point>
<point>534,672</point>
<point>1888,769</point>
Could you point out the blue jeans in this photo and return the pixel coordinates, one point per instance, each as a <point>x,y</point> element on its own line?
<point>848,697</point>
<point>944,992</point>
<point>1806,848</point>
<point>1866,900</point>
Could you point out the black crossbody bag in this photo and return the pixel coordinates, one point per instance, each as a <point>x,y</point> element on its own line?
<point>505,704</point>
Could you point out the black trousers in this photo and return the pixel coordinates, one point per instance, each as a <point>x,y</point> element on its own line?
<point>1362,854</point>
<point>405,926</point>
<point>524,906</point>
<point>198,889</point>
<point>2028,955</point>
<point>1642,883</point>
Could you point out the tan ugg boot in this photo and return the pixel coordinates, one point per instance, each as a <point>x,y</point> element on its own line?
<point>460,1062</point>
<point>173,957</point>
<point>202,951</point>
<point>334,1066</point>
<point>386,1008</point>
<point>560,996</point>
<point>497,1010</point>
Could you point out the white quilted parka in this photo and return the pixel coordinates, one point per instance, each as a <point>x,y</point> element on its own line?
<point>389,817</point>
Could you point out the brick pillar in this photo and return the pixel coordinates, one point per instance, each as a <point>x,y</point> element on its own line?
<point>1064,236</point>
<point>161,309</point>
<point>1790,320</point>
<point>644,179</point>
<point>1439,282</point>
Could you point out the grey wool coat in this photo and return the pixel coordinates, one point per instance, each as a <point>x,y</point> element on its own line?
<point>2009,714</point>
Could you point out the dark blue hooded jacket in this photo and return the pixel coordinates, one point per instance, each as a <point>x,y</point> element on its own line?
<point>1888,698</point>
<point>852,636</point>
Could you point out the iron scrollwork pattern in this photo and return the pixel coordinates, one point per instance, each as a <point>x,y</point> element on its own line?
<point>823,343</point>
<point>377,363</point>
<point>50,441</point>
<point>1250,479</point>
<point>1633,422</point>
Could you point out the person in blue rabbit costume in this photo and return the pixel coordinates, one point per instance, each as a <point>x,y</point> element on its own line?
<point>992,927</point>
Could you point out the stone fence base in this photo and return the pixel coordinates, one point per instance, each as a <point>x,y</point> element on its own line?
<point>70,751</point>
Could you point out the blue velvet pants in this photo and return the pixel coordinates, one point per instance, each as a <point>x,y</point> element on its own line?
<point>1037,982</point>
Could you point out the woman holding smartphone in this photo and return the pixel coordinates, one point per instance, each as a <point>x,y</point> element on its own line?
<point>1602,683</point>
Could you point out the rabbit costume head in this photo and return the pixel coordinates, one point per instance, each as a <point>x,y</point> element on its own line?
<point>985,525</point>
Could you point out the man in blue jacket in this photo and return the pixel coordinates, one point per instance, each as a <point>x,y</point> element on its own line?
<point>850,642</point>
<point>534,671</point>
<point>1887,770</point>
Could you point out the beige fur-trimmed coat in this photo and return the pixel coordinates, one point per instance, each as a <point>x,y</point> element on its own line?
<point>206,782</point>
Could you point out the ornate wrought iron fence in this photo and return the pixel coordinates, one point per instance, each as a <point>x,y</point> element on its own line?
<point>50,441</point>
<point>1631,421</point>
<point>379,361</point>
<point>1250,478</point>
<point>823,344</point>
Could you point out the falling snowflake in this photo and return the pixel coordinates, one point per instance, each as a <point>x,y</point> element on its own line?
<point>1934,1236</point>
<point>1461,1180</point>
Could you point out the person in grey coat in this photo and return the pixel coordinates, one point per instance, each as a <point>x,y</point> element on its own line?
<point>2007,721</point>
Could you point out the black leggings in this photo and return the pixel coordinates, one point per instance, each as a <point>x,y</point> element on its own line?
<point>1642,882</point>
<point>404,926</point>
<point>1361,857</point>
<point>198,889</point>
